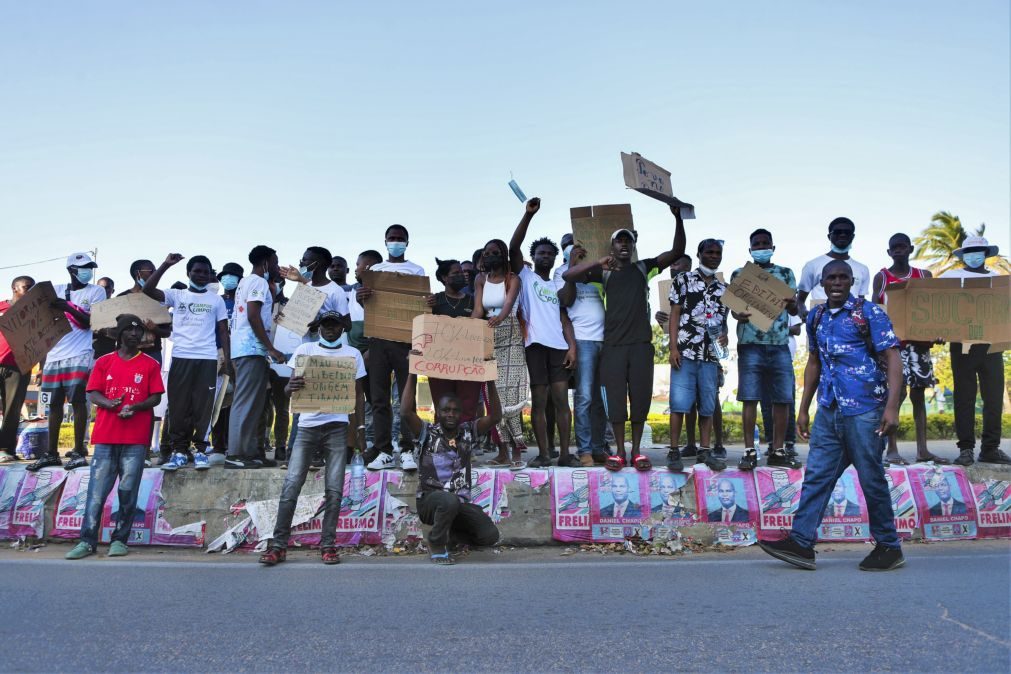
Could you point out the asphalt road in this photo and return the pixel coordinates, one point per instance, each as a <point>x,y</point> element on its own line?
<point>516,611</point>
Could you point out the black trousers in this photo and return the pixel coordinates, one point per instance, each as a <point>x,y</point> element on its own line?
<point>447,514</point>
<point>387,358</point>
<point>13,387</point>
<point>191,387</point>
<point>986,369</point>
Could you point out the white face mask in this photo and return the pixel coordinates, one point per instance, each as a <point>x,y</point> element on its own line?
<point>706,270</point>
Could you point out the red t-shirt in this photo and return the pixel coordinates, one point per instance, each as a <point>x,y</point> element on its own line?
<point>6,355</point>
<point>135,380</point>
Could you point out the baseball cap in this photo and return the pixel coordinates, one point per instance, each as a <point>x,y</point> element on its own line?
<point>631,234</point>
<point>331,316</point>
<point>976,242</point>
<point>81,260</point>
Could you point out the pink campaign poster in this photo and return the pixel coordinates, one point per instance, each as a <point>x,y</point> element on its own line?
<point>596,505</point>
<point>359,521</point>
<point>531,478</point>
<point>845,517</point>
<point>778,497</point>
<point>144,515</point>
<point>993,508</point>
<point>70,509</point>
<point>668,505</point>
<point>903,504</point>
<point>29,507</point>
<point>945,502</point>
<point>10,481</point>
<point>728,501</point>
<point>482,489</point>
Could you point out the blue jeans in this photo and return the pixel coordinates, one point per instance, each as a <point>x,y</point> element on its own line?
<point>588,403</point>
<point>765,369</point>
<point>838,441</point>
<point>107,463</point>
<point>694,381</point>
<point>332,437</point>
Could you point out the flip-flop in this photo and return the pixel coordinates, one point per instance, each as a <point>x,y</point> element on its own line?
<point>897,461</point>
<point>935,459</point>
<point>614,463</point>
<point>495,463</point>
<point>517,465</point>
<point>443,559</point>
<point>642,463</point>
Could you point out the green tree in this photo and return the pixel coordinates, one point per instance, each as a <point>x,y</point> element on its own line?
<point>937,243</point>
<point>661,345</point>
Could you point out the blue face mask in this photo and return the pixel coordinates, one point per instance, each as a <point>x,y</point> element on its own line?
<point>84,274</point>
<point>762,256</point>
<point>841,251</point>
<point>198,287</point>
<point>328,344</point>
<point>140,282</point>
<point>266,276</point>
<point>229,282</point>
<point>566,252</point>
<point>974,260</point>
<point>396,248</point>
<point>305,273</point>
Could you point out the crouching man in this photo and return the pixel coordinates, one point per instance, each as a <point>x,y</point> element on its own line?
<point>125,386</point>
<point>444,470</point>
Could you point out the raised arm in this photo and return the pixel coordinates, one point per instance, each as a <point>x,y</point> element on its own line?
<point>486,423</point>
<point>516,243</point>
<point>151,284</point>
<point>582,270</point>
<point>408,406</point>
<point>666,259</point>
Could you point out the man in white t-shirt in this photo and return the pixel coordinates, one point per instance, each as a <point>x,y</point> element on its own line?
<point>68,364</point>
<point>840,233</point>
<point>977,364</point>
<point>252,320</point>
<point>199,322</point>
<point>388,359</point>
<point>550,341</point>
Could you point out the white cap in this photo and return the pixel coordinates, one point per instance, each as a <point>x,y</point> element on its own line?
<point>976,242</point>
<point>81,260</point>
<point>631,234</point>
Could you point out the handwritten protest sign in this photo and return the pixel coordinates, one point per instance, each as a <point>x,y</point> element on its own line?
<point>33,327</point>
<point>301,309</point>
<point>103,314</point>
<point>396,300</point>
<point>592,226</point>
<point>951,309</point>
<point>329,385</point>
<point>644,176</point>
<point>663,289</point>
<point>453,348</point>
<point>759,293</point>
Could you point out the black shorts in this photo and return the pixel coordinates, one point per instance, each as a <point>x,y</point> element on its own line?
<point>546,365</point>
<point>626,373</point>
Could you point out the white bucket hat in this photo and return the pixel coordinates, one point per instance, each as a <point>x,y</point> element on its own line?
<point>975,242</point>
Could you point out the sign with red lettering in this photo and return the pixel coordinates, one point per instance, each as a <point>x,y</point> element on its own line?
<point>453,348</point>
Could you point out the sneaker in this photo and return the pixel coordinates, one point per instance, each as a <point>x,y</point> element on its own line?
<point>44,461</point>
<point>383,461</point>
<point>883,559</point>
<point>200,461</point>
<point>178,460</point>
<point>586,461</point>
<point>720,452</point>
<point>994,456</point>
<point>791,451</point>
<point>780,459</point>
<point>164,459</point>
<point>407,462</point>
<point>73,452</point>
<point>273,556</point>
<point>370,455</point>
<point>965,458</point>
<point>749,461</point>
<point>80,551</point>
<point>705,456</point>
<point>266,463</point>
<point>118,549</point>
<point>540,462</point>
<point>214,458</point>
<point>791,552</point>
<point>238,463</point>
<point>689,451</point>
<point>77,460</point>
<point>569,462</point>
<point>674,462</point>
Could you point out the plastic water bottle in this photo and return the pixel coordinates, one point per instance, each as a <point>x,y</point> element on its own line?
<point>714,327</point>
<point>357,477</point>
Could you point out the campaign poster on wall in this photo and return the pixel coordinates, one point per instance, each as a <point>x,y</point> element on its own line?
<point>993,508</point>
<point>900,491</point>
<point>845,516</point>
<point>728,501</point>
<point>945,502</point>
<point>778,492</point>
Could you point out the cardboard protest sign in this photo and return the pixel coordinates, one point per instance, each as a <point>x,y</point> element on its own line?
<point>663,289</point>
<point>952,309</point>
<point>592,226</point>
<point>993,507</point>
<point>945,501</point>
<point>33,327</point>
<point>759,293</point>
<point>907,519</point>
<point>329,385</point>
<point>728,501</point>
<point>778,497</point>
<point>219,397</point>
<point>103,314</point>
<point>644,176</point>
<point>396,300</point>
<point>453,348</point>
<point>845,517</point>
<point>301,309</point>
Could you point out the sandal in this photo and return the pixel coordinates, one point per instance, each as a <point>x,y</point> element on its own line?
<point>273,556</point>
<point>7,458</point>
<point>896,461</point>
<point>517,465</point>
<point>330,556</point>
<point>443,559</point>
<point>498,463</point>
<point>935,459</point>
<point>642,463</point>
<point>614,463</point>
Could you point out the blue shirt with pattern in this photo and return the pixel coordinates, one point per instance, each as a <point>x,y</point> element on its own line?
<point>778,333</point>
<point>850,375</point>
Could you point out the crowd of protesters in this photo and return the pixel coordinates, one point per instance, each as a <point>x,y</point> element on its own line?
<point>561,320</point>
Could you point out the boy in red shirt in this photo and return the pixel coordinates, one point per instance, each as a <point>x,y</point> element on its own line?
<point>125,386</point>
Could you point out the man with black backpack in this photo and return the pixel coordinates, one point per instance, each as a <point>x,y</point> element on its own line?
<point>854,366</point>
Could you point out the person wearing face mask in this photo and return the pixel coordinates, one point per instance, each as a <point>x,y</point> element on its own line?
<point>199,325</point>
<point>68,363</point>
<point>13,384</point>
<point>764,362</point>
<point>977,364</point>
<point>840,234</point>
<point>229,278</point>
<point>495,291</point>
<point>694,304</point>
<point>319,429</point>
<point>313,269</point>
<point>388,359</point>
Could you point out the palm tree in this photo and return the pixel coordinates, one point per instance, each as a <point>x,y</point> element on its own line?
<point>937,244</point>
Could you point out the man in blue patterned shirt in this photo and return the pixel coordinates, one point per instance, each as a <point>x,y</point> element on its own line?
<point>854,366</point>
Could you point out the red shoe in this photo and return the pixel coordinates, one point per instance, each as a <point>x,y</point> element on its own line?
<point>330,556</point>
<point>614,463</point>
<point>273,556</point>
<point>641,462</point>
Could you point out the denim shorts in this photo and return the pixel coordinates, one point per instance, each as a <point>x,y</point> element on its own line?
<point>765,365</point>
<point>694,381</point>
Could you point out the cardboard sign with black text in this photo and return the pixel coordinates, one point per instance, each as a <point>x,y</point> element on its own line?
<point>396,300</point>
<point>972,310</point>
<point>758,293</point>
<point>32,326</point>
<point>453,348</point>
<point>644,176</point>
<point>329,385</point>
<point>301,309</point>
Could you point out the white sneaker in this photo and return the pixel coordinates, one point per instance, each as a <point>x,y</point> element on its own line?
<point>407,462</point>
<point>382,462</point>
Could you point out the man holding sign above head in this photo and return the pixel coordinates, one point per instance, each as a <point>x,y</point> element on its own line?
<point>626,360</point>
<point>317,429</point>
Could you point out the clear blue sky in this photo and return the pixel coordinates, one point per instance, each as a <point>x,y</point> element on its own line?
<point>195,127</point>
